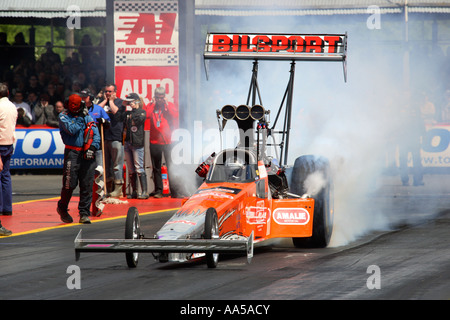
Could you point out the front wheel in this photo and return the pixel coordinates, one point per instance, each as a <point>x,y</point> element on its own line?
<point>211,232</point>
<point>132,231</point>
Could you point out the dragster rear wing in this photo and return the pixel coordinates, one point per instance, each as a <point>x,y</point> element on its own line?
<point>164,246</point>
<point>294,47</point>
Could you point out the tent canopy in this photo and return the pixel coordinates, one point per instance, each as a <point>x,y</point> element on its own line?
<point>90,10</point>
<point>29,12</point>
<point>315,7</point>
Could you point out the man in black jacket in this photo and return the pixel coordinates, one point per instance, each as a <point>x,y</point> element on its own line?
<point>135,117</point>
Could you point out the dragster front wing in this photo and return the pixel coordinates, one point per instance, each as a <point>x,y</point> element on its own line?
<point>164,246</point>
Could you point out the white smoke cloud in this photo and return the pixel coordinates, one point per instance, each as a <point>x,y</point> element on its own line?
<point>351,124</point>
<point>347,126</point>
<point>314,183</point>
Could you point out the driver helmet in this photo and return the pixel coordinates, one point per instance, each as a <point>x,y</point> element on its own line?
<point>74,103</point>
<point>234,166</point>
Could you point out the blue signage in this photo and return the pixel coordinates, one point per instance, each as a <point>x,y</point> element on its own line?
<point>38,147</point>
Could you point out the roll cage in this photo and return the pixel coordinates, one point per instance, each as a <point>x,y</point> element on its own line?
<point>233,165</point>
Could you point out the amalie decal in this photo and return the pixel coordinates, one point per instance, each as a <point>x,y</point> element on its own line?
<point>291,216</point>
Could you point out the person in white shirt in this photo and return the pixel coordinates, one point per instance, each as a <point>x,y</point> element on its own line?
<point>8,118</point>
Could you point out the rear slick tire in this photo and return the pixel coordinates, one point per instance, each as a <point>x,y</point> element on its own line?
<point>323,200</point>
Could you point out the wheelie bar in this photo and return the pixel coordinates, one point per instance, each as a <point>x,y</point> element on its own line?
<point>167,246</point>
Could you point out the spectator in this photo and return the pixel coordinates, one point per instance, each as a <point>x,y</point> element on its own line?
<point>5,49</point>
<point>79,162</point>
<point>49,57</point>
<point>86,49</point>
<point>55,73</point>
<point>410,131</point>
<point>76,87</point>
<point>53,96</point>
<point>81,79</point>
<point>67,87</point>
<point>66,72</point>
<point>93,77</point>
<point>99,96</point>
<point>42,109</point>
<point>33,101</point>
<point>53,117</point>
<point>18,84</point>
<point>37,67</point>
<point>101,75</point>
<point>427,110</point>
<point>60,90</point>
<point>42,79</point>
<point>20,104</point>
<point>75,60</point>
<point>8,116</point>
<point>162,115</point>
<point>25,70</point>
<point>114,152</point>
<point>101,119</point>
<point>446,107</point>
<point>134,144</point>
<point>23,119</point>
<point>33,86</point>
<point>20,50</point>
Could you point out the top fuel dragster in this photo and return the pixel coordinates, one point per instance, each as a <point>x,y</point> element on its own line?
<point>245,197</point>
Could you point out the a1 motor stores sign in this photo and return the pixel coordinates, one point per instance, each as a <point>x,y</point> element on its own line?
<point>146,48</point>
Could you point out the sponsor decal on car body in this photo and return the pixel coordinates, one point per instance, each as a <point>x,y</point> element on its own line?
<point>291,216</point>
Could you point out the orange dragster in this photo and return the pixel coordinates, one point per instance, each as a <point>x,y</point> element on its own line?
<point>244,199</point>
<point>246,195</point>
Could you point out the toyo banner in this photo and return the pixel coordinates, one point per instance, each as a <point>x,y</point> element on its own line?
<point>436,146</point>
<point>37,147</point>
<point>146,50</point>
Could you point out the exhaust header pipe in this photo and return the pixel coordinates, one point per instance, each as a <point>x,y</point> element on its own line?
<point>228,112</point>
<point>242,112</point>
<point>257,112</point>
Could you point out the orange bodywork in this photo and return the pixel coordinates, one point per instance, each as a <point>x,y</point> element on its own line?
<point>240,211</point>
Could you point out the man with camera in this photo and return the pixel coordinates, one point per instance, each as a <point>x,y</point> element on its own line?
<point>113,144</point>
<point>162,116</point>
<point>81,138</point>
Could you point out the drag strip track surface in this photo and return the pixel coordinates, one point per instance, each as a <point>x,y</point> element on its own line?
<point>411,262</point>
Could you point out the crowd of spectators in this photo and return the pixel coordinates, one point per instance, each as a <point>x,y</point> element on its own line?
<point>36,82</point>
<point>40,85</point>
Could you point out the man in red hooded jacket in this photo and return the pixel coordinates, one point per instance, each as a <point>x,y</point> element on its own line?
<point>162,116</point>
